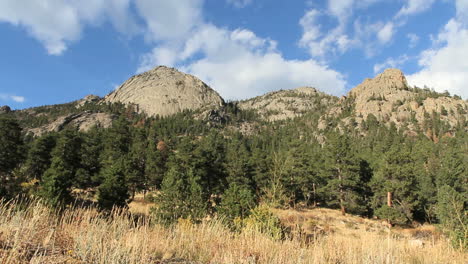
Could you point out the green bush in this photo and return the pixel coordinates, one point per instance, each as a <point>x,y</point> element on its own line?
<point>392,214</point>
<point>236,202</point>
<point>262,220</point>
<point>452,213</point>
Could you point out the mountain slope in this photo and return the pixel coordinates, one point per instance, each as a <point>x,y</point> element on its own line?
<point>284,104</point>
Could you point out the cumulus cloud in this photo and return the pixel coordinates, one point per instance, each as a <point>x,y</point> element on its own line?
<point>56,23</point>
<point>462,11</point>
<point>341,9</point>
<point>385,34</point>
<point>239,64</point>
<point>441,66</point>
<point>239,3</point>
<point>170,20</point>
<point>15,98</point>
<point>371,37</point>
<point>391,63</point>
<point>318,43</point>
<point>323,42</point>
<point>413,7</point>
<point>18,99</point>
<point>246,67</point>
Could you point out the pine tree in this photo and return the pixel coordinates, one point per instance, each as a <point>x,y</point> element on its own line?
<point>237,201</point>
<point>157,154</point>
<point>10,154</point>
<point>454,166</point>
<point>182,193</point>
<point>451,210</point>
<point>210,157</point>
<point>238,167</point>
<point>345,184</point>
<point>58,179</point>
<point>40,155</point>
<point>260,162</point>
<point>136,176</point>
<point>114,189</point>
<point>395,183</point>
<point>87,175</point>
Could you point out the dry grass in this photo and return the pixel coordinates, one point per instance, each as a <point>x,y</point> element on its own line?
<point>140,206</point>
<point>36,234</point>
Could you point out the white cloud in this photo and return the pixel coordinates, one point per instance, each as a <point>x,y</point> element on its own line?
<point>370,37</point>
<point>239,70</point>
<point>18,99</point>
<point>413,7</point>
<point>413,39</point>
<point>170,20</point>
<point>323,42</point>
<point>462,11</point>
<point>240,3</point>
<point>341,9</point>
<point>317,42</point>
<point>391,63</point>
<point>385,34</point>
<point>56,23</point>
<point>442,66</point>
<point>238,64</point>
<point>15,98</point>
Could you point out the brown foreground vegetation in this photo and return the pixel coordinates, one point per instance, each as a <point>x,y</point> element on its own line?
<point>32,233</point>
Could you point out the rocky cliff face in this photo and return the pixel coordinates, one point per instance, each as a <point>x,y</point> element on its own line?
<point>164,91</point>
<point>83,122</point>
<point>389,98</point>
<point>281,105</point>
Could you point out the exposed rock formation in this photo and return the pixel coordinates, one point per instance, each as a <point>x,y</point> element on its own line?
<point>284,104</point>
<point>165,91</point>
<point>389,98</point>
<point>5,109</point>
<point>82,121</point>
<point>87,99</point>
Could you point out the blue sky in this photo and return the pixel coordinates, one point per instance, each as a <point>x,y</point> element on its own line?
<point>56,51</point>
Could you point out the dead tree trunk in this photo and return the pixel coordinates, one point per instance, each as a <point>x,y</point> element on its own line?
<point>389,199</point>
<point>314,191</point>
<point>389,204</point>
<point>342,205</point>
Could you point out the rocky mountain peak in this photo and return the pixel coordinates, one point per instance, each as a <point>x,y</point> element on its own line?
<point>388,82</point>
<point>90,98</point>
<point>285,104</point>
<point>306,90</point>
<point>389,98</point>
<point>5,109</point>
<point>165,91</point>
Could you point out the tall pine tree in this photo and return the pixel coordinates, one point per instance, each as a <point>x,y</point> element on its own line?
<point>345,184</point>
<point>58,179</point>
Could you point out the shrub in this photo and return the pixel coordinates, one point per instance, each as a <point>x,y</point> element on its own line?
<point>262,220</point>
<point>236,202</point>
<point>392,214</point>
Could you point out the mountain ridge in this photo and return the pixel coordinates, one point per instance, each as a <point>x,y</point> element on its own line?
<point>165,91</point>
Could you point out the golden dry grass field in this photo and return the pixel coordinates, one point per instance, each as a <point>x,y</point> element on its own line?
<point>32,233</point>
